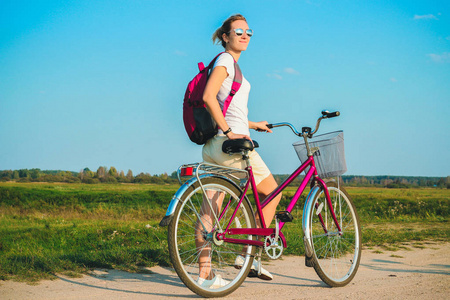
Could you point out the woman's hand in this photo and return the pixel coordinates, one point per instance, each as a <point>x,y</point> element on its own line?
<point>233,136</point>
<point>259,126</point>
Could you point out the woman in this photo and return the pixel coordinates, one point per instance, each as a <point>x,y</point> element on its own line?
<point>234,35</point>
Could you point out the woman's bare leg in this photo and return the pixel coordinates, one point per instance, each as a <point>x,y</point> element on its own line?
<point>265,187</point>
<point>207,219</point>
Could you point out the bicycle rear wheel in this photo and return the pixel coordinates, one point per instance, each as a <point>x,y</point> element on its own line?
<point>336,256</point>
<point>198,257</point>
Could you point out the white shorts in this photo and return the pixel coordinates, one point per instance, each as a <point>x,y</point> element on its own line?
<point>212,153</point>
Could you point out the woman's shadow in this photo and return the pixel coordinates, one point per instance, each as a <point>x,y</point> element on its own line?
<point>160,280</point>
<point>159,277</point>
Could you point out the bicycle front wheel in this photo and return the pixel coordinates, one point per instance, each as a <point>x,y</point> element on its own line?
<point>207,265</point>
<point>336,254</point>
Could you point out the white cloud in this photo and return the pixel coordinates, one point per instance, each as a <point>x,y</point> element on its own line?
<point>425,17</point>
<point>180,53</point>
<point>275,75</point>
<point>393,79</point>
<point>291,71</point>
<point>440,58</point>
<point>448,38</point>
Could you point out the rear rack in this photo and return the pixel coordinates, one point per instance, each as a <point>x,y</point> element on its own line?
<point>187,171</point>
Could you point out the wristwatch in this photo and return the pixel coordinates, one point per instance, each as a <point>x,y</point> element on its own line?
<point>228,131</point>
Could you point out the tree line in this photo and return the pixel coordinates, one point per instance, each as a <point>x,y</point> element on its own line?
<point>112,175</point>
<point>102,175</point>
<point>397,181</point>
<point>385,181</point>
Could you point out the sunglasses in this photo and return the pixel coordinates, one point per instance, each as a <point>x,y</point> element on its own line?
<point>240,31</point>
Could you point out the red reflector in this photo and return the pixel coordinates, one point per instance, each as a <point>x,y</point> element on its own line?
<point>187,171</point>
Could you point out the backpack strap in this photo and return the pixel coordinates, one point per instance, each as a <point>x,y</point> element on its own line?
<point>211,64</point>
<point>237,82</point>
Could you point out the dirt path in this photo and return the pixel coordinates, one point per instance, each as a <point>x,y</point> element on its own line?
<point>409,274</point>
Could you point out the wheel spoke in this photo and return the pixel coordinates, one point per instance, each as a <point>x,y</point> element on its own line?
<point>337,255</point>
<point>194,250</point>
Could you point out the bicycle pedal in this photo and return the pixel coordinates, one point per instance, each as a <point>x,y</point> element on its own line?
<point>284,216</point>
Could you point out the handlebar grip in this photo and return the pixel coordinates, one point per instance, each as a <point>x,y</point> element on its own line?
<point>330,115</point>
<point>270,126</point>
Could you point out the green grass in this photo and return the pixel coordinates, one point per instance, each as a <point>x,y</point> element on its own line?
<point>398,205</point>
<point>48,228</point>
<point>34,248</point>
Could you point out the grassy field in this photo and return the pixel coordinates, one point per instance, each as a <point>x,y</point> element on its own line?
<point>50,228</point>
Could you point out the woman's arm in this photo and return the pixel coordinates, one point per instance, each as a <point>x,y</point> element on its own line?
<point>212,88</point>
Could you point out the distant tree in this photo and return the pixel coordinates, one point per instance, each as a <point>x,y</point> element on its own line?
<point>101,172</point>
<point>397,184</point>
<point>35,173</point>
<point>113,172</point>
<point>363,180</point>
<point>24,173</point>
<point>6,175</point>
<point>442,183</point>
<point>87,174</point>
<point>387,182</point>
<point>66,176</point>
<point>130,176</point>
<point>422,182</point>
<point>50,178</point>
<point>121,177</point>
<point>81,175</point>
<point>91,180</point>
<point>110,179</point>
<point>156,180</point>
<point>143,178</point>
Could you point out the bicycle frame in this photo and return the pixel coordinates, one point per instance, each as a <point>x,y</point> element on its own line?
<point>264,231</point>
<point>213,239</point>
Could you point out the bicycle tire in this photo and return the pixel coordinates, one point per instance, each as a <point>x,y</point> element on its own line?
<point>182,237</point>
<point>336,257</point>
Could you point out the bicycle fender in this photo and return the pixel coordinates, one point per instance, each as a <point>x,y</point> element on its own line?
<point>305,220</point>
<point>177,197</point>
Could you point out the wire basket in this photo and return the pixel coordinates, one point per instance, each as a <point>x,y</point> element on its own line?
<point>330,158</point>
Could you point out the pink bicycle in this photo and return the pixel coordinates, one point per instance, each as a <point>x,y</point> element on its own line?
<point>212,226</point>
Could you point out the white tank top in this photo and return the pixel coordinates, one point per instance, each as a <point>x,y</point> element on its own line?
<point>237,113</point>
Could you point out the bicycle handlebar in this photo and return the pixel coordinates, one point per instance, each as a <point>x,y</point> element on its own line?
<point>328,115</point>
<point>306,131</point>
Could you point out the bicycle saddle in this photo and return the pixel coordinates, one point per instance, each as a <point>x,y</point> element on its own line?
<point>238,145</point>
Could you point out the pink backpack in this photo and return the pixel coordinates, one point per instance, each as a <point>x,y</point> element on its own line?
<point>198,123</point>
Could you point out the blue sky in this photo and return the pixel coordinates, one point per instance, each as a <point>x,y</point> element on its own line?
<point>101,83</point>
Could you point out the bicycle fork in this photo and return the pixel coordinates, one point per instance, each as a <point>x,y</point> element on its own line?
<point>307,210</point>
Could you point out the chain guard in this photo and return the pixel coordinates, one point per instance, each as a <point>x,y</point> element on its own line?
<point>273,248</point>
